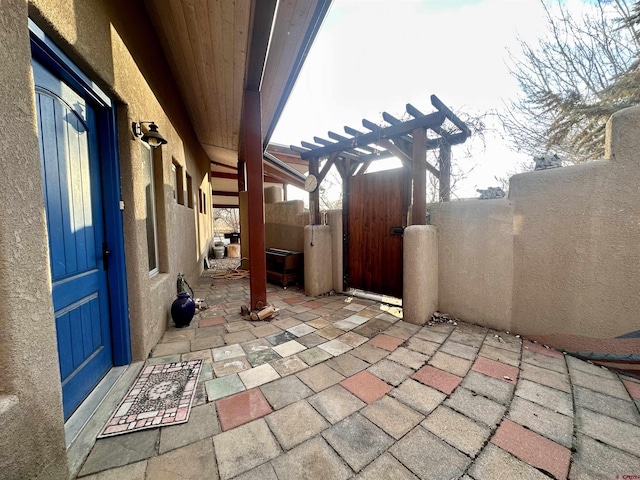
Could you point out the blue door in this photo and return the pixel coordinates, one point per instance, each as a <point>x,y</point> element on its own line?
<point>68,137</point>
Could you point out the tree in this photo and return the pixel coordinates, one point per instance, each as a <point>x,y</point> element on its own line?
<point>226,220</point>
<point>573,79</point>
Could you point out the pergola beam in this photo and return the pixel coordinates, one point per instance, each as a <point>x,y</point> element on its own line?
<point>365,139</point>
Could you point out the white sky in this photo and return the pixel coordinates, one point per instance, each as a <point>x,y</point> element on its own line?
<point>372,56</point>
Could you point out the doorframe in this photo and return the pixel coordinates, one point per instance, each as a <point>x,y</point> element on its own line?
<point>49,54</point>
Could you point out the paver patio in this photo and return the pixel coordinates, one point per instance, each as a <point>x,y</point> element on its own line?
<point>340,389</point>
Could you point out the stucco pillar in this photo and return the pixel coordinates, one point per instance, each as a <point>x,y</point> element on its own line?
<point>420,277</point>
<point>318,277</point>
<point>272,194</point>
<point>334,219</point>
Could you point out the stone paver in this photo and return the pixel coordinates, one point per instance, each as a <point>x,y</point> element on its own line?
<point>533,449</point>
<point>329,409</point>
<point>244,448</point>
<point>554,426</point>
<point>418,396</point>
<point>312,459</point>
<point>192,462</point>
<point>295,424</point>
<point>386,467</point>
<point>357,441</point>
<point>336,403</point>
<point>391,372</point>
<point>496,464</point>
<point>429,457</point>
<point>285,391</point>
<point>457,430</point>
<point>547,397</point>
<point>320,377</point>
<point>393,417</point>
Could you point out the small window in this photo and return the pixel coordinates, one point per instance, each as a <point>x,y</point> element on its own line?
<point>200,200</point>
<point>150,196</point>
<point>178,182</point>
<point>189,191</point>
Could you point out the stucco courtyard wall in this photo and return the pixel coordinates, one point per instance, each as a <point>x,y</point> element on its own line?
<point>284,225</point>
<point>108,40</point>
<point>576,256</point>
<point>558,261</point>
<point>475,259</point>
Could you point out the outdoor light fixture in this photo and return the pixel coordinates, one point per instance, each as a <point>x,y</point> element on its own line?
<point>152,136</point>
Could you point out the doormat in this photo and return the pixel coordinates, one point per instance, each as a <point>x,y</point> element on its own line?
<point>161,395</point>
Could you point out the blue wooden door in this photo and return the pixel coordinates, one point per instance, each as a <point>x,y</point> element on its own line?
<point>68,137</point>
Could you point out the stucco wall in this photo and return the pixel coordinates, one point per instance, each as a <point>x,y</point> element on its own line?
<point>475,260</point>
<point>284,225</point>
<point>108,40</point>
<point>576,255</point>
<point>32,431</point>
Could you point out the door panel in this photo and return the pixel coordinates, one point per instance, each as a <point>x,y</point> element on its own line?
<point>73,198</point>
<point>377,205</point>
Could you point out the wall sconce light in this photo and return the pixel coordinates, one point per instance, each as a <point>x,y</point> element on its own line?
<point>152,136</point>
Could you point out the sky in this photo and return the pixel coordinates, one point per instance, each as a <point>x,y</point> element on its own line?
<point>372,56</point>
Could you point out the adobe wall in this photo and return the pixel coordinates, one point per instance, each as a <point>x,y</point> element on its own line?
<point>32,433</point>
<point>284,225</point>
<point>475,259</point>
<point>576,256</point>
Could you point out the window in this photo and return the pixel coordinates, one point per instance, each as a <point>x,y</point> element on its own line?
<point>189,191</point>
<point>178,182</point>
<point>200,200</point>
<point>150,197</point>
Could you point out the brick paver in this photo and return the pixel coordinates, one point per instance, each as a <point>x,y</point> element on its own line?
<point>439,379</point>
<point>366,387</point>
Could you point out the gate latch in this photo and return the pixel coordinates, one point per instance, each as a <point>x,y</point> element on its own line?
<point>397,230</point>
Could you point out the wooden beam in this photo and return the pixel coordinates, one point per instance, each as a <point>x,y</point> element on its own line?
<point>255,197</point>
<point>298,149</point>
<point>263,13</point>
<point>388,132</point>
<point>226,205</point>
<point>327,166</point>
<point>436,102</point>
<point>230,176</point>
<point>346,201</point>
<point>314,197</point>
<point>214,162</point>
<point>444,179</point>
<point>221,193</point>
<point>411,110</point>
<point>310,145</point>
<point>322,141</point>
<point>419,207</point>
<point>399,153</point>
<point>363,168</point>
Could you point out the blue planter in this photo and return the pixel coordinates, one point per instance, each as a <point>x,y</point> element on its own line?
<point>182,310</point>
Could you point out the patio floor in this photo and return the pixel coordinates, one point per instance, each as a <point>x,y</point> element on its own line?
<point>335,388</point>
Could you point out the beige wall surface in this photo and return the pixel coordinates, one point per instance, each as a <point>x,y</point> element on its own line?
<point>284,225</point>
<point>31,428</point>
<point>420,273</point>
<point>475,245</point>
<point>109,41</point>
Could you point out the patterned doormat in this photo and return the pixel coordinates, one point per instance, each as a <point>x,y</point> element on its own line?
<point>161,395</point>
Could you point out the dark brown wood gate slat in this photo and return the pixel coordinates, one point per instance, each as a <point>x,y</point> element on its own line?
<point>377,205</point>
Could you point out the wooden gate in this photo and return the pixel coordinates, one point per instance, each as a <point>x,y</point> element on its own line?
<point>378,205</point>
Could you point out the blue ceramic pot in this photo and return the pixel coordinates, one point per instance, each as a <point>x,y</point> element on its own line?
<point>182,310</point>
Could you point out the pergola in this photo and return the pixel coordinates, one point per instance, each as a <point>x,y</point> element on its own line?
<point>407,139</point>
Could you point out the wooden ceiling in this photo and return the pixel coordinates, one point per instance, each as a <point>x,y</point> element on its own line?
<point>206,43</point>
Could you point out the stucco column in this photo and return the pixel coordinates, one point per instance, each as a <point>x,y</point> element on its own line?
<point>420,273</point>
<point>317,260</point>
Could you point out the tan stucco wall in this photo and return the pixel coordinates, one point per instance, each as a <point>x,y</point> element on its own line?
<point>576,255</point>
<point>284,224</point>
<point>32,432</point>
<point>420,273</point>
<point>108,41</point>
<point>475,260</point>
<point>318,278</point>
